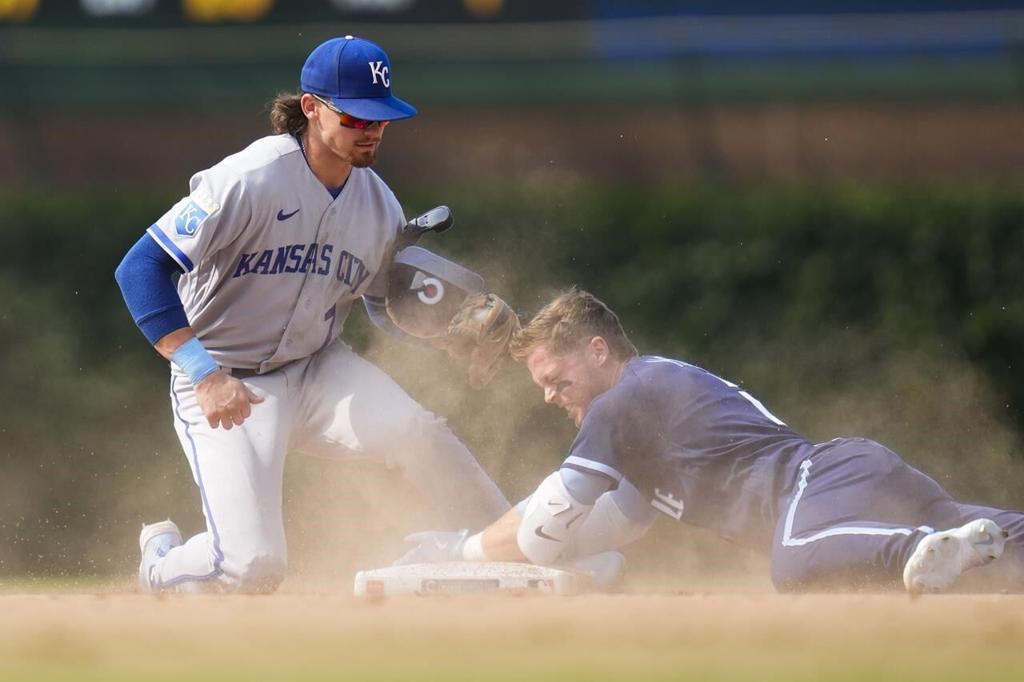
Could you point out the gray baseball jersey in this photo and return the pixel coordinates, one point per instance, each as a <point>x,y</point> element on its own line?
<point>272,261</point>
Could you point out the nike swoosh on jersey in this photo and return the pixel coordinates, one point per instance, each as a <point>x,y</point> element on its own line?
<point>281,215</point>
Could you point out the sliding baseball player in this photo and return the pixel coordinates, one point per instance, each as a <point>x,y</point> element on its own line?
<point>663,438</point>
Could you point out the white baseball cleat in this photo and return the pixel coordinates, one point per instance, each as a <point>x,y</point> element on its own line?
<point>940,558</point>
<point>155,540</point>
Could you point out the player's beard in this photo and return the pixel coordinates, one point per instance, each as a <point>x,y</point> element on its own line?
<point>364,158</point>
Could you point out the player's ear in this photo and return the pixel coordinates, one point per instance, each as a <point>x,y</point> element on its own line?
<point>598,349</point>
<point>308,104</point>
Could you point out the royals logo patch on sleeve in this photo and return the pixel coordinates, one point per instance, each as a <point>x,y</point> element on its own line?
<point>189,219</point>
<point>193,214</point>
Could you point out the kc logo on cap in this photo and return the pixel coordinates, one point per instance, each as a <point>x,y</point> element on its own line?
<point>355,75</point>
<point>380,69</point>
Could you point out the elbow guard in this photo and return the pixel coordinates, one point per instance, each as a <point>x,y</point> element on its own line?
<point>551,517</point>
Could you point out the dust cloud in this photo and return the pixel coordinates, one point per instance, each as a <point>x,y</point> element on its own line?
<point>346,516</point>
<point>927,405</point>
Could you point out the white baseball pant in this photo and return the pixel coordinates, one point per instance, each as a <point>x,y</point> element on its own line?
<point>333,404</point>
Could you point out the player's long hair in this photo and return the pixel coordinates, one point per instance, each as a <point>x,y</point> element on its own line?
<point>286,114</point>
<point>574,317</point>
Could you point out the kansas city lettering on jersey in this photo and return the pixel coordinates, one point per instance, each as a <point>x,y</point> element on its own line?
<point>312,258</point>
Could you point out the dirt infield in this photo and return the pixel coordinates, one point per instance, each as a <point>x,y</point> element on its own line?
<point>111,636</point>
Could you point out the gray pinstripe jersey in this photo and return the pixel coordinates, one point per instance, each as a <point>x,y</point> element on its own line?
<point>271,261</point>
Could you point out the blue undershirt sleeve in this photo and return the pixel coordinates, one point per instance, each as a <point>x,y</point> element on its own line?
<point>584,486</point>
<point>144,276</point>
<point>633,504</point>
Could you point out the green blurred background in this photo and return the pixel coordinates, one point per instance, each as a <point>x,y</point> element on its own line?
<point>821,201</point>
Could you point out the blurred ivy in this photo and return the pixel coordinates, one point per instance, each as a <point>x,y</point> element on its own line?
<point>826,301</point>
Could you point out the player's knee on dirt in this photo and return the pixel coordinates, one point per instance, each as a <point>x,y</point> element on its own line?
<point>260,574</point>
<point>256,568</point>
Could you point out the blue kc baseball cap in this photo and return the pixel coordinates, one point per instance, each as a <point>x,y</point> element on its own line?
<point>355,75</point>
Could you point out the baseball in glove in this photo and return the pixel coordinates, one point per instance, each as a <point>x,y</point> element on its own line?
<point>481,331</point>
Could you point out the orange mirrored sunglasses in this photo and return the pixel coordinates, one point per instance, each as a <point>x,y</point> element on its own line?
<point>348,120</point>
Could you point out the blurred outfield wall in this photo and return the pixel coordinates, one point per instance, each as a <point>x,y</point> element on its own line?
<point>821,202</point>
<point>907,90</point>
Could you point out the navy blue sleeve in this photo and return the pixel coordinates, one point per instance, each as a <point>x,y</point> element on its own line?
<point>596,449</point>
<point>144,276</point>
<point>618,435</point>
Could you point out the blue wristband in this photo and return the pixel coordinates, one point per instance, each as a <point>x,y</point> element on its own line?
<point>192,359</point>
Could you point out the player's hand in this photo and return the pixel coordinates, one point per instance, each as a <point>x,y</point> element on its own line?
<point>225,400</point>
<point>434,546</point>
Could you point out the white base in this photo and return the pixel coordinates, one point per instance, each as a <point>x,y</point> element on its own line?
<point>462,577</point>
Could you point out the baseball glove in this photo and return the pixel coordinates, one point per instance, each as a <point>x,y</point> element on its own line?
<point>481,331</point>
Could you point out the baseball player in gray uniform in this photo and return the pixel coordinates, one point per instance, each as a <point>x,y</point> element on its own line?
<point>273,245</point>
